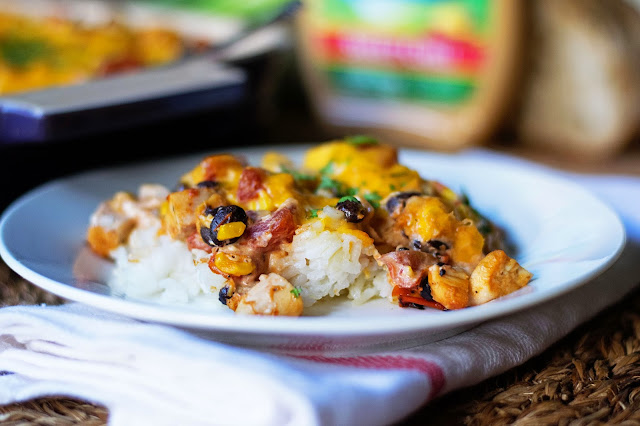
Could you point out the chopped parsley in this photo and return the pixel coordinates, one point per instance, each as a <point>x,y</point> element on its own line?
<point>361,140</point>
<point>464,198</point>
<point>336,187</point>
<point>330,184</point>
<point>328,169</point>
<point>373,198</point>
<point>348,198</point>
<point>20,52</point>
<point>313,213</point>
<point>296,174</point>
<point>399,174</point>
<point>296,292</point>
<point>485,227</point>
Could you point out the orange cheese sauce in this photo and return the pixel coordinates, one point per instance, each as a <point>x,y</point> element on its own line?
<point>37,53</point>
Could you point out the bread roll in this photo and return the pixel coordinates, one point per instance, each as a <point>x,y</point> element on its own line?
<point>395,75</point>
<point>581,94</point>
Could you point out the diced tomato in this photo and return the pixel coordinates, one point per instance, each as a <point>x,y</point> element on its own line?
<point>407,268</point>
<point>408,296</point>
<point>419,301</point>
<point>401,291</point>
<point>251,182</point>
<point>121,65</point>
<point>277,228</point>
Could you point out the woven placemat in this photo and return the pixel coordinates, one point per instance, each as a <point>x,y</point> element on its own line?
<point>591,377</point>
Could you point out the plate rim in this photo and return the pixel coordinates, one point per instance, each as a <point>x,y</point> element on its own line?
<point>296,326</point>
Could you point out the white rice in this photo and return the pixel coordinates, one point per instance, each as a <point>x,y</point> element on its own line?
<point>153,266</point>
<point>320,262</point>
<point>327,263</point>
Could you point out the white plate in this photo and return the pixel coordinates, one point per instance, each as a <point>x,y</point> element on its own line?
<point>564,235</point>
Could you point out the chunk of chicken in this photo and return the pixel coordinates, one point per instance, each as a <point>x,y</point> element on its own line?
<point>496,275</point>
<point>272,295</point>
<point>113,220</point>
<point>151,196</point>
<point>449,286</point>
<point>182,208</point>
<point>407,268</point>
<point>109,225</point>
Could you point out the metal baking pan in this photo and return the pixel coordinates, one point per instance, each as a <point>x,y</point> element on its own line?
<point>138,97</point>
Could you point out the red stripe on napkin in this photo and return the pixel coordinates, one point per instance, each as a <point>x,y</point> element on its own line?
<point>389,362</point>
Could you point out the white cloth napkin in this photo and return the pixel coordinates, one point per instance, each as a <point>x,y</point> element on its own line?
<point>157,375</point>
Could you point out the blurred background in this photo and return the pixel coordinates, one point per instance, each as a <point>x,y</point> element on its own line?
<point>90,83</point>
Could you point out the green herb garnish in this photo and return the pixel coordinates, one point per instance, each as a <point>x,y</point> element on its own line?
<point>330,184</point>
<point>361,140</point>
<point>295,292</point>
<point>313,213</point>
<point>296,174</point>
<point>328,169</point>
<point>484,227</point>
<point>348,198</point>
<point>464,199</point>
<point>373,198</point>
<point>20,52</point>
<point>398,174</point>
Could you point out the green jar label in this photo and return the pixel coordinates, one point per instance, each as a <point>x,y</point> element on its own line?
<point>419,50</point>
